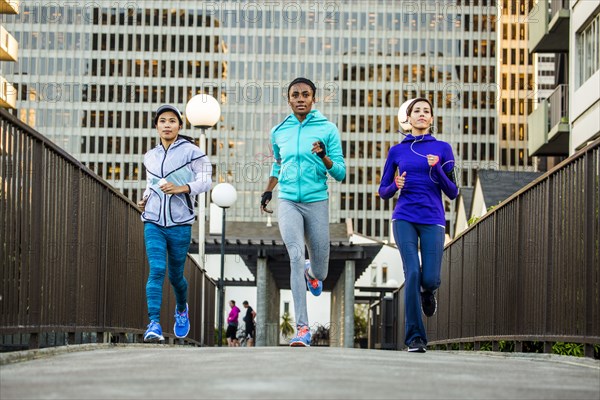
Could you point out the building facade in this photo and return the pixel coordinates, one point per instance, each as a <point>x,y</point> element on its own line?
<point>518,86</point>
<point>99,73</point>
<point>584,74</point>
<point>570,116</point>
<point>9,48</point>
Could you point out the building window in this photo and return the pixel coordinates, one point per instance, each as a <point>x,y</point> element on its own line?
<point>522,32</point>
<point>373,275</point>
<point>588,55</point>
<point>521,132</point>
<point>521,56</point>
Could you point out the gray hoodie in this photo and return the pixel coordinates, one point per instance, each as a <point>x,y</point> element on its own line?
<point>183,163</point>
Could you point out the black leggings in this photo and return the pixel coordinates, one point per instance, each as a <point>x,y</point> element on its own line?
<point>231,332</point>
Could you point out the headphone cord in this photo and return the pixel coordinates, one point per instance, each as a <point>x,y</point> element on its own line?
<point>424,156</point>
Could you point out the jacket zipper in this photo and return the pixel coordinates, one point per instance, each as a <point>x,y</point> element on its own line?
<point>308,117</point>
<point>299,172</point>
<point>162,174</point>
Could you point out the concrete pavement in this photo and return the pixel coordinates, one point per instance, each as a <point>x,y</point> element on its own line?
<point>176,372</point>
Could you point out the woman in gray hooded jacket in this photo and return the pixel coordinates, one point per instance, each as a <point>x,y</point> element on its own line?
<point>177,170</point>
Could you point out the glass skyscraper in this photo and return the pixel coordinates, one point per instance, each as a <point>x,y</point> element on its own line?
<point>90,76</point>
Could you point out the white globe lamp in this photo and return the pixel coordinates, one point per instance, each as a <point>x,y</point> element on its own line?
<point>203,111</point>
<point>392,283</point>
<point>224,195</point>
<point>403,116</point>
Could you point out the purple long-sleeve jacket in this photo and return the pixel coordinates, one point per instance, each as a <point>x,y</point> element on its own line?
<point>420,199</point>
<point>233,315</point>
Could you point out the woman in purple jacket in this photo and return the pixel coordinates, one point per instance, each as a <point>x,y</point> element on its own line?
<point>425,168</point>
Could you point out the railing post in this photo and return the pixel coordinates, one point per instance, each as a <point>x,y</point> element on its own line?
<point>34,316</point>
<point>592,206</point>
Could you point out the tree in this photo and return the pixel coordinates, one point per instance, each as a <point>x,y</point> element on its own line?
<point>287,329</point>
<point>360,321</point>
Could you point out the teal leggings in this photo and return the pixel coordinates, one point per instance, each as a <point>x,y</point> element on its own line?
<point>170,243</point>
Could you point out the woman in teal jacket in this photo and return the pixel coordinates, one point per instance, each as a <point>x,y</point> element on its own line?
<point>306,148</point>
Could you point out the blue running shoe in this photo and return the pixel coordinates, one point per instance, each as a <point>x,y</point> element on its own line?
<point>314,285</point>
<point>182,322</point>
<point>302,338</point>
<point>153,333</point>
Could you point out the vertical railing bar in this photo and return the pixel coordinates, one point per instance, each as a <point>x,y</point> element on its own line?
<point>74,245</point>
<point>103,256</point>
<point>590,177</point>
<point>34,313</point>
<point>4,318</point>
<point>26,212</point>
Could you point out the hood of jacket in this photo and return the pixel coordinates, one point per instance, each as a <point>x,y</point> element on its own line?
<point>314,117</point>
<point>420,138</point>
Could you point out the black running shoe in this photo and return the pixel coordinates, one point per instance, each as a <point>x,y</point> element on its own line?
<point>417,346</point>
<point>428,303</point>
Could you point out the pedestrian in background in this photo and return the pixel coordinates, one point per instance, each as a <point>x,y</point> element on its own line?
<point>232,325</point>
<point>250,326</point>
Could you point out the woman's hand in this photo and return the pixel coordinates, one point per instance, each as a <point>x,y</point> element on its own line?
<point>142,203</point>
<point>170,188</point>
<point>265,199</point>
<point>432,159</point>
<point>319,149</point>
<point>400,179</point>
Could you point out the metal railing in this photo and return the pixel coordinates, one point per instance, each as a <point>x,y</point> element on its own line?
<point>72,252</point>
<point>556,6</point>
<point>526,272</point>
<point>558,106</point>
<point>383,324</point>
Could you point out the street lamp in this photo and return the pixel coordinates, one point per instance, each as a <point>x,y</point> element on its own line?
<point>223,195</point>
<point>403,116</point>
<point>202,111</point>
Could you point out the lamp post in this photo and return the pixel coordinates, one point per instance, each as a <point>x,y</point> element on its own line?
<point>202,111</point>
<point>223,195</point>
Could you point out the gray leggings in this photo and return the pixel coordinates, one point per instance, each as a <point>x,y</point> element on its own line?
<point>303,224</point>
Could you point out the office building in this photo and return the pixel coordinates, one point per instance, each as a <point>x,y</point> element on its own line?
<point>570,116</point>
<point>518,86</point>
<point>99,72</point>
<point>9,49</point>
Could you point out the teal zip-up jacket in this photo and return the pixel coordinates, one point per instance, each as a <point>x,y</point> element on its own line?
<point>302,175</point>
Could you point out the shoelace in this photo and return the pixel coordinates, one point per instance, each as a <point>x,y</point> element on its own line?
<point>153,326</point>
<point>313,282</point>
<point>181,318</point>
<point>302,331</point>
